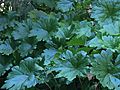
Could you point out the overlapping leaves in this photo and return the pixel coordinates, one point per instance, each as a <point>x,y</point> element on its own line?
<point>50,32</point>
<point>110,42</point>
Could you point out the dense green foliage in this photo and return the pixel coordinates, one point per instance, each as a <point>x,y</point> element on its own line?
<point>60,44</point>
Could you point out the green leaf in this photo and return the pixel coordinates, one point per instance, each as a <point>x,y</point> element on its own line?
<point>104,70</point>
<point>71,65</point>
<point>49,24</point>
<point>65,37</point>
<point>5,64</point>
<point>21,31</point>
<point>39,33</point>
<point>22,76</point>
<point>83,28</point>
<point>49,55</point>
<point>95,42</point>
<point>48,3</point>
<point>112,28</point>
<point>65,5</point>
<point>76,41</point>
<point>117,61</point>
<point>6,48</point>
<point>25,49</point>
<point>116,82</point>
<point>64,31</point>
<point>7,20</point>
<point>60,34</point>
<point>37,14</point>
<point>106,11</point>
<point>108,42</point>
<point>3,23</point>
<point>4,68</point>
<point>112,43</point>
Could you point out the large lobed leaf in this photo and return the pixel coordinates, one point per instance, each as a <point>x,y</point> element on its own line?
<point>71,65</point>
<point>105,71</point>
<point>23,75</point>
<point>106,11</point>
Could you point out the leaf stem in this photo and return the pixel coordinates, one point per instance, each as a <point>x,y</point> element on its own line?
<point>55,80</point>
<point>80,82</point>
<point>48,85</point>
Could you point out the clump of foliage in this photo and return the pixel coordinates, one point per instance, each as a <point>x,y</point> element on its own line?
<point>60,44</point>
